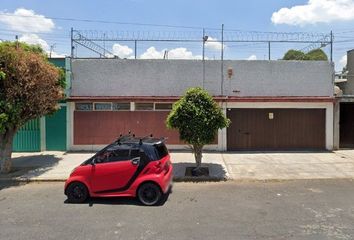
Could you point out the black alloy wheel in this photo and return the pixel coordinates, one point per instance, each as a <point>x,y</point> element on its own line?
<point>77,192</point>
<point>149,194</point>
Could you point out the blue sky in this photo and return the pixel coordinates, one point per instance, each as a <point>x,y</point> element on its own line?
<point>319,16</point>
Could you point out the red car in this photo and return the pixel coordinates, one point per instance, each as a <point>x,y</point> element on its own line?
<point>129,167</point>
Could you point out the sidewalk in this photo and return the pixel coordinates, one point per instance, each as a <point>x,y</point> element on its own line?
<point>56,166</point>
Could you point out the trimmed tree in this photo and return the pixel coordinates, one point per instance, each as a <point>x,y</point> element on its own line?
<point>30,87</point>
<point>294,55</point>
<point>317,55</point>
<point>198,118</point>
<point>314,55</point>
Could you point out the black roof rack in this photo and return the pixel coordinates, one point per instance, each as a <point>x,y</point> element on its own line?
<point>131,138</point>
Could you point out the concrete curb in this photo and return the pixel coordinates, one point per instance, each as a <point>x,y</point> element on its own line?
<point>175,179</point>
<point>192,179</point>
<point>30,180</point>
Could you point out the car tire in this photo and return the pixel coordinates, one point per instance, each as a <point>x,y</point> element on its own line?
<point>149,194</point>
<point>77,192</point>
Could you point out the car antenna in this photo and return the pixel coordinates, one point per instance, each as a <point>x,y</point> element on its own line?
<point>120,136</point>
<point>147,136</point>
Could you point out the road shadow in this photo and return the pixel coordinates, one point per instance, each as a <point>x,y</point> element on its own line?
<point>9,184</point>
<point>31,166</point>
<point>119,201</point>
<point>239,152</point>
<point>216,172</point>
<point>37,161</point>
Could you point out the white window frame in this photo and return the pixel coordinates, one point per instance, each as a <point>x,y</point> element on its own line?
<point>137,103</point>
<point>165,110</point>
<point>115,110</point>
<point>84,103</point>
<point>102,110</point>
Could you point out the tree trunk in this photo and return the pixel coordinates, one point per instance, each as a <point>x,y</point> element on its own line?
<point>198,155</point>
<point>6,150</point>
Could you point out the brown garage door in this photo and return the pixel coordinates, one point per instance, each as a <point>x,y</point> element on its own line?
<point>276,129</point>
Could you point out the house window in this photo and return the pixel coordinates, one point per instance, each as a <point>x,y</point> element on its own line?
<point>103,106</point>
<point>121,106</point>
<point>163,106</point>
<point>83,106</point>
<point>144,106</point>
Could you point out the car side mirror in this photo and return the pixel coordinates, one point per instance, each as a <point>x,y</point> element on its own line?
<point>93,162</point>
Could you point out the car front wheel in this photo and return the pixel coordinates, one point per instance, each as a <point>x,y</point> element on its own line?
<point>149,194</point>
<point>77,192</point>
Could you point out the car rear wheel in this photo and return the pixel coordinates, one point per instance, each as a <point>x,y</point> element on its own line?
<point>149,194</point>
<point>77,192</point>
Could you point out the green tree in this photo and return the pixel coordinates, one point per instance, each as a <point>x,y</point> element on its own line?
<point>317,55</point>
<point>294,55</point>
<point>30,87</point>
<point>197,117</point>
<point>313,55</point>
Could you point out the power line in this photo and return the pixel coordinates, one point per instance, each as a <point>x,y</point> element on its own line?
<point>65,34</point>
<point>105,21</point>
<point>155,25</point>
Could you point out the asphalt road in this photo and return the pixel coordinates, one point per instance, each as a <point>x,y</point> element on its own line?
<point>247,210</point>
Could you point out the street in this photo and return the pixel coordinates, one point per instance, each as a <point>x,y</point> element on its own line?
<point>303,209</point>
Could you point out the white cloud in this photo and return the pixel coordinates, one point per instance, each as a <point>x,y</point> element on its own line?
<point>252,57</point>
<point>175,53</point>
<point>55,55</point>
<point>122,51</point>
<point>212,43</point>
<point>342,62</point>
<point>152,53</point>
<point>315,11</point>
<point>25,20</point>
<point>182,53</point>
<point>35,40</point>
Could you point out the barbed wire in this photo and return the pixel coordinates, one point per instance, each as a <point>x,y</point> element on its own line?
<point>197,36</point>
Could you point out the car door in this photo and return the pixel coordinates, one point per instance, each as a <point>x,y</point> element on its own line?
<point>114,172</point>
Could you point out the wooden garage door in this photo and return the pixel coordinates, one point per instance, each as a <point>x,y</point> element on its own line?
<point>276,129</point>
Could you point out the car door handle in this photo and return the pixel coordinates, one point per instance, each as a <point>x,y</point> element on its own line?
<point>135,161</point>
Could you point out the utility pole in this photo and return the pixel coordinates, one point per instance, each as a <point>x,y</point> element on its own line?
<point>331,47</point>
<point>104,45</point>
<point>135,43</point>
<point>222,59</point>
<point>16,37</point>
<point>205,38</point>
<point>269,50</point>
<point>51,50</point>
<point>72,45</point>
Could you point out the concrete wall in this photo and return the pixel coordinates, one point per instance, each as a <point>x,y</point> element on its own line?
<point>348,88</point>
<point>116,77</point>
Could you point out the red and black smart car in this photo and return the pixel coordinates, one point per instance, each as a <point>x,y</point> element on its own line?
<point>129,167</point>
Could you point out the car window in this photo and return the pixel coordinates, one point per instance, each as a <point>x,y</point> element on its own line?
<point>119,155</point>
<point>161,150</point>
<point>134,153</point>
<point>103,157</point>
